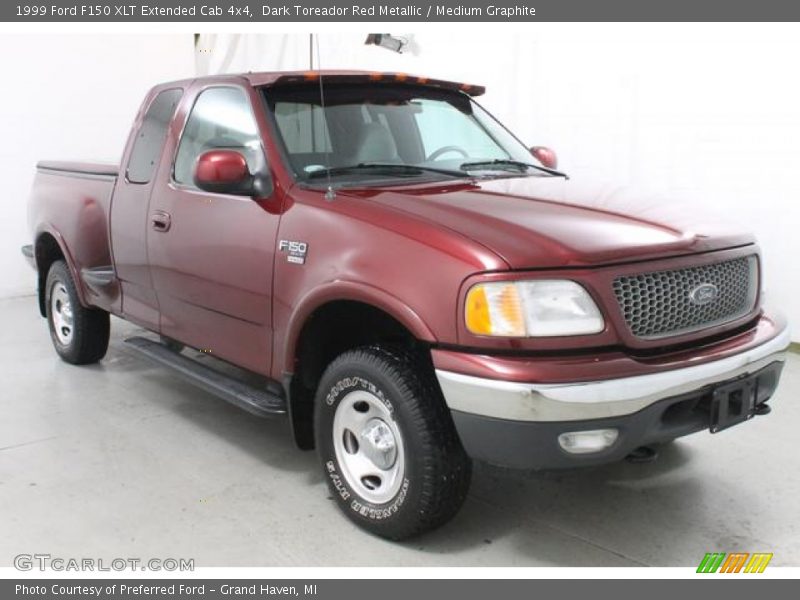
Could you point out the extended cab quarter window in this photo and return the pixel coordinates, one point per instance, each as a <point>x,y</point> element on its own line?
<point>221,118</point>
<point>150,138</point>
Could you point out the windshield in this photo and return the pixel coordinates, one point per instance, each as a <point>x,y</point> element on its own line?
<point>398,131</point>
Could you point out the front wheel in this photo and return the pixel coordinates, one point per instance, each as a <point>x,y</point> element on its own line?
<point>80,335</point>
<point>389,450</point>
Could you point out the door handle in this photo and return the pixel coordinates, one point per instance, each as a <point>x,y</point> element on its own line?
<point>161,221</point>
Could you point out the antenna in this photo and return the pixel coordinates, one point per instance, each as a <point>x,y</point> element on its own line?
<point>330,194</point>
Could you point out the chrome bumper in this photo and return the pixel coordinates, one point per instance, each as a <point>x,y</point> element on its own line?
<point>597,399</point>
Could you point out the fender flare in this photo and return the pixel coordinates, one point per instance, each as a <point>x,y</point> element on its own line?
<point>354,291</point>
<point>56,235</point>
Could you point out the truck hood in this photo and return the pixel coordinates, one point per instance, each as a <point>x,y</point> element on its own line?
<point>553,222</point>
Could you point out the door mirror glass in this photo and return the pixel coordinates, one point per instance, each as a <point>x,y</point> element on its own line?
<point>546,156</point>
<point>224,172</point>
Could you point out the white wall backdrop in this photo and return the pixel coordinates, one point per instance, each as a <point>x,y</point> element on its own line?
<point>69,97</point>
<point>708,113</point>
<point>704,111</point>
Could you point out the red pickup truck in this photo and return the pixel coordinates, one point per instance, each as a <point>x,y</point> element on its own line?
<point>377,259</point>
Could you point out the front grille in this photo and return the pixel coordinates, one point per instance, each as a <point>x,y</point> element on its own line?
<point>667,303</point>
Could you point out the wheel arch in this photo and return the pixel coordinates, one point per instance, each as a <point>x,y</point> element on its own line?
<point>330,321</point>
<point>49,246</point>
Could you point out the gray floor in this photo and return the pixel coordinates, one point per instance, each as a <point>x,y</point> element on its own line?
<point>122,460</point>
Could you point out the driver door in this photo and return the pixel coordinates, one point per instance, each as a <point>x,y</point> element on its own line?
<point>211,255</point>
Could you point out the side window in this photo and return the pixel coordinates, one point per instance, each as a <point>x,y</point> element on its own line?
<point>150,138</point>
<point>221,118</point>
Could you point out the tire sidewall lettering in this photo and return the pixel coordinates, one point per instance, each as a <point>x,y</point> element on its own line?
<point>337,480</point>
<point>348,384</point>
<point>383,512</point>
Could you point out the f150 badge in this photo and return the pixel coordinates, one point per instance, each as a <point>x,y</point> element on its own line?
<point>296,251</point>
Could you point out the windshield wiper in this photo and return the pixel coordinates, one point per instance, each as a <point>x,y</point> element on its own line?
<point>508,162</point>
<point>393,168</point>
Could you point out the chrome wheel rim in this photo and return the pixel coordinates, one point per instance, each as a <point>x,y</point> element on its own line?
<point>368,446</point>
<point>61,313</point>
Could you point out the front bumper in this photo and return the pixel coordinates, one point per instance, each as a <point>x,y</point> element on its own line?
<point>517,424</point>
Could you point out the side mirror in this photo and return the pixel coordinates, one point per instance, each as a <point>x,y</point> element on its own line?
<point>225,171</point>
<point>546,156</point>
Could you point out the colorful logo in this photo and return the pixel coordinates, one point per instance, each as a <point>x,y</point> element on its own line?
<point>735,562</point>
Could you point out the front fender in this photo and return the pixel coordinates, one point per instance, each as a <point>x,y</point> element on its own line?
<point>355,291</point>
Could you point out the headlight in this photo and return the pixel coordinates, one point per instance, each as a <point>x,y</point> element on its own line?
<point>532,309</point>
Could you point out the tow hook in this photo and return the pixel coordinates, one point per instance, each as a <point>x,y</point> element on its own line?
<point>763,409</point>
<point>642,454</point>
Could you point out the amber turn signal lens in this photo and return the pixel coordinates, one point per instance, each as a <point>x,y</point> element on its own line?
<point>478,320</point>
<point>495,309</point>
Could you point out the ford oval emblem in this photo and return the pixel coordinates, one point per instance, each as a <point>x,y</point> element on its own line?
<point>705,293</point>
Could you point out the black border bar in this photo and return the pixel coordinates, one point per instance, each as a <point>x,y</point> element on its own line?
<point>387,11</point>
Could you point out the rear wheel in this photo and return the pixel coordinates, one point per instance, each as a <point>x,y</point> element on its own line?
<point>389,450</point>
<point>80,335</point>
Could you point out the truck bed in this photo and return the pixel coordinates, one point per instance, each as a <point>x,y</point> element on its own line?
<point>79,168</point>
<point>69,206</point>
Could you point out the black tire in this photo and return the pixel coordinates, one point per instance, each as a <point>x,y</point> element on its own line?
<point>87,341</point>
<point>436,470</point>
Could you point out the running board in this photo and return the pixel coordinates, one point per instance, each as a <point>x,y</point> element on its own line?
<point>256,401</point>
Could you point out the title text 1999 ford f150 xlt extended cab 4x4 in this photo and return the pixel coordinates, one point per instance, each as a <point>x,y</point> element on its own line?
<point>377,258</point>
